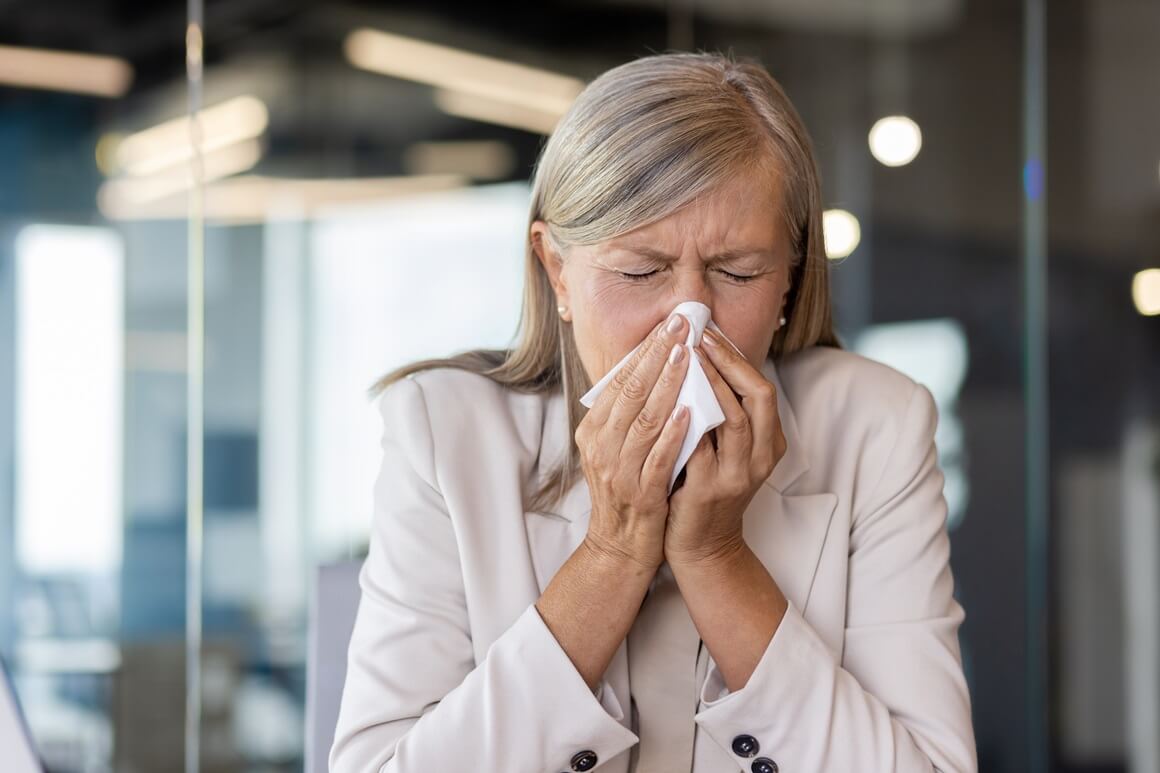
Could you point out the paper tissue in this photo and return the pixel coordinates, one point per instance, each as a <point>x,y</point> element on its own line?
<point>696,391</point>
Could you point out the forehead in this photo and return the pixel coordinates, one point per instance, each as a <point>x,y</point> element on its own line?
<point>744,211</point>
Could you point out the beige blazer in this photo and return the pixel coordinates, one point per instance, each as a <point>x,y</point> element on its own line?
<point>451,667</point>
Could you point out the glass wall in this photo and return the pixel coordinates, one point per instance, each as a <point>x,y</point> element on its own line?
<point>1103,196</point>
<point>191,315</point>
<point>92,412</point>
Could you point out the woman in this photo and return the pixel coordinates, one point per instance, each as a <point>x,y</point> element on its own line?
<point>535,599</point>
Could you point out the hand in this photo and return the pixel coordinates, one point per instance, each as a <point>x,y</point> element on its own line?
<point>629,441</point>
<point>721,477</point>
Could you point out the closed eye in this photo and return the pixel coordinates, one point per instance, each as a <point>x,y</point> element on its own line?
<point>641,277</point>
<point>738,277</point>
<point>638,277</point>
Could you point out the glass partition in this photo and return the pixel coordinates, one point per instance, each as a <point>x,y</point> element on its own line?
<point>92,394</point>
<point>191,313</point>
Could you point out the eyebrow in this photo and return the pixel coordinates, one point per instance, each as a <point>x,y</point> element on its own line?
<point>719,257</point>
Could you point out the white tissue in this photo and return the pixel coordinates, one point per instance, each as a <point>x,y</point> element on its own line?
<point>696,391</point>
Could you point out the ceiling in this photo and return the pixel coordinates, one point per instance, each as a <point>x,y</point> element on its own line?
<point>956,66</point>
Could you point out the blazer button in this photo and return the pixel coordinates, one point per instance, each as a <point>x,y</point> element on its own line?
<point>585,760</point>
<point>763,765</point>
<point>745,746</point>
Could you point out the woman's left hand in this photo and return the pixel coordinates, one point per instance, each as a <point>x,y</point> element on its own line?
<point>705,514</point>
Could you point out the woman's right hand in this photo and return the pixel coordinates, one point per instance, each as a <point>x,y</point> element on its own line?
<point>628,443</point>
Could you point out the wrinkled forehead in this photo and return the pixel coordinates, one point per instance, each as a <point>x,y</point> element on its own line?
<point>743,214</point>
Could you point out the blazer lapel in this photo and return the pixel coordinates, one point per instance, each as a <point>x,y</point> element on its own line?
<point>556,532</point>
<point>786,529</point>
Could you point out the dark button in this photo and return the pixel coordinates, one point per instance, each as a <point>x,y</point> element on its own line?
<point>763,765</point>
<point>585,760</point>
<point>745,746</point>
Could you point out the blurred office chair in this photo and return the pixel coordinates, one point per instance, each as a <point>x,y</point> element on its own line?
<point>332,611</point>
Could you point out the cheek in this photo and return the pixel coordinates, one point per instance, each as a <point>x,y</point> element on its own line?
<point>750,324</point>
<point>607,327</point>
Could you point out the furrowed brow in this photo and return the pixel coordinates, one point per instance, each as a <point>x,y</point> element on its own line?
<point>720,257</point>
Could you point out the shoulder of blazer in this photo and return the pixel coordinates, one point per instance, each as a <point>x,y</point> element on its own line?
<point>849,409</point>
<point>460,394</point>
<point>468,413</point>
<point>825,376</point>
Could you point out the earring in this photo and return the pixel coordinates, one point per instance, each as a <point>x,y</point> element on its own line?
<point>561,310</point>
<point>781,322</point>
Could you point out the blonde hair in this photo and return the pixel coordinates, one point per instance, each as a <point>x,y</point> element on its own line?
<point>641,141</point>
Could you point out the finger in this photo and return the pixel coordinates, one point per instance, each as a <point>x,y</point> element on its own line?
<point>602,406</point>
<point>657,468</point>
<point>734,437</point>
<point>635,381</point>
<point>758,394</point>
<point>704,461</point>
<point>661,401</point>
<point>741,376</point>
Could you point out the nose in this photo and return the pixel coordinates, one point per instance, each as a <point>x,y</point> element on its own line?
<point>692,285</point>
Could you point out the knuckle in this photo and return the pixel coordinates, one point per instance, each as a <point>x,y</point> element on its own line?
<point>633,389</point>
<point>624,374</point>
<point>738,422</point>
<point>646,423</point>
<point>600,475</point>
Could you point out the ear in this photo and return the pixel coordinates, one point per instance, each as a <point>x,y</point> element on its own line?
<point>553,263</point>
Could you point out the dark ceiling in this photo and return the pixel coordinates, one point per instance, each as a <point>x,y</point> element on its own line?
<point>960,75</point>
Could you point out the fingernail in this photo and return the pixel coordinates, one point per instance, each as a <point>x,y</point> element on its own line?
<point>709,338</point>
<point>678,413</point>
<point>676,354</point>
<point>674,323</point>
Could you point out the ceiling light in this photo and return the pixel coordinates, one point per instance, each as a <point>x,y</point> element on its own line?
<point>499,113</point>
<point>38,68</point>
<point>123,194</point>
<point>479,160</point>
<point>171,143</point>
<point>1146,292</point>
<point>842,232</point>
<point>257,199</point>
<point>483,77</point>
<point>895,140</point>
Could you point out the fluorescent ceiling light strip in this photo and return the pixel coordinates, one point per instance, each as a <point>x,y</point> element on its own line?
<point>477,159</point>
<point>253,198</point>
<point>489,111</point>
<point>136,191</point>
<point>38,68</point>
<point>461,71</point>
<point>171,143</point>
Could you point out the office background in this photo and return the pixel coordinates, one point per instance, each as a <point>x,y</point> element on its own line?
<point>991,172</point>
